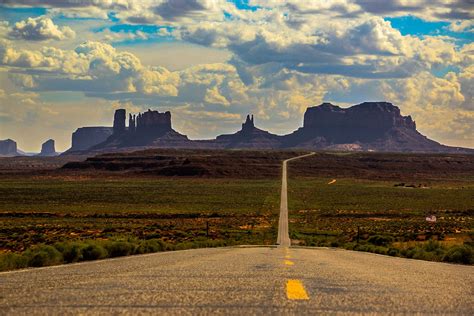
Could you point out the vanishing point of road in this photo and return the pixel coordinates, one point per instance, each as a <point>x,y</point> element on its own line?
<point>243,280</point>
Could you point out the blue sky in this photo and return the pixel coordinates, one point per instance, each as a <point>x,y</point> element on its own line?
<point>217,60</point>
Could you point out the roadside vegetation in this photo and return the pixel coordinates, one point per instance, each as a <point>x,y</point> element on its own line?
<point>431,250</point>
<point>378,203</point>
<point>43,255</point>
<point>385,217</point>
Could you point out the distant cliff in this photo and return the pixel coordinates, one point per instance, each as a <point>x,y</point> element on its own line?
<point>8,148</point>
<point>369,126</point>
<point>48,149</point>
<point>147,129</point>
<point>86,137</point>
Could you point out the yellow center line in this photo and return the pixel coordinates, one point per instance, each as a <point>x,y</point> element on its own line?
<point>295,290</point>
<point>289,263</point>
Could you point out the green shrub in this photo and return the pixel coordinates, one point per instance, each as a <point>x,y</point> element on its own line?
<point>379,240</point>
<point>433,246</point>
<point>393,252</point>
<point>94,251</point>
<point>71,251</point>
<point>150,246</point>
<point>10,261</point>
<point>408,252</point>
<point>460,254</point>
<point>381,250</point>
<point>43,255</point>
<point>119,248</point>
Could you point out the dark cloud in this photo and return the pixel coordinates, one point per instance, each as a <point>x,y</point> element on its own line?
<point>66,3</point>
<point>174,9</point>
<point>386,7</point>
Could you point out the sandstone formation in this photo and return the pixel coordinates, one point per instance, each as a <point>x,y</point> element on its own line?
<point>369,126</point>
<point>8,148</point>
<point>249,137</point>
<point>86,137</point>
<point>119,121</point>
<point>48,149</point>
<point>148,129</point>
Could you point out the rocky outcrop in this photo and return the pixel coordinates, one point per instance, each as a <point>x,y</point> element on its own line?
<point>119,121</point>
<point>249,137</point>
<point>369,126</point>
<point>153,123</point>
<point>364,122</point>
<point>8,148</point>
<point>86,137</point>
<point>148,129</point>
<point>48,149</point>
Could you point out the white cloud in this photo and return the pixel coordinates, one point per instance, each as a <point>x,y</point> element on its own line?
<point>214,96</point>
<point>441,107</point>
<point>285,56</point>
<point>462,26</point>
<point>40,29</point>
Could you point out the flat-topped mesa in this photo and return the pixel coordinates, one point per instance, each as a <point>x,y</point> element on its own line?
<point>364,122</point>
<point>8,147</point>
<point>48,148</point>
<point>86,137</point>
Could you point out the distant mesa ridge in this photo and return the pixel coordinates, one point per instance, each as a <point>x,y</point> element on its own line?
<point>48,149</point>
<point>8,148</point>
<point>369,126</point>
<point>86,137</point>
<point>147,129</point>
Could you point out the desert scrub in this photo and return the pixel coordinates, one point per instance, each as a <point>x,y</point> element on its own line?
<point>77,251</point>
<point>43,255</point>
<point>460,254</point>
<point>385,245</point>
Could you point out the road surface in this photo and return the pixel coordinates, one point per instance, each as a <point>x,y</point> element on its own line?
<point>283,239</point>
<point>253,280</point>
<point>243,280</point>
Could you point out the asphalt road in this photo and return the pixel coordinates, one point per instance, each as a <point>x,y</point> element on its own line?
<point>283,239</point>
<point>243,280</point>
<point>256,280</point>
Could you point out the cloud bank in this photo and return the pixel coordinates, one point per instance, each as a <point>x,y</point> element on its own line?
<point>285,56</point>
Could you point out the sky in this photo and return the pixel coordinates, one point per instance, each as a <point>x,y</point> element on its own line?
<point>70,63</point>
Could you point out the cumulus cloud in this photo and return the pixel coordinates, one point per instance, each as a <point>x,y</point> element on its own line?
<point>78,8</point>
<point>369,48</point>
<point>286,56</point>
<point>428,9</point>
<point>297,11</point>
<point>92,66</point>
<point>40,29</point>
<point>462,26</point>
<point>175,9</point>
<point>99,69</point>
<point>442,107</point>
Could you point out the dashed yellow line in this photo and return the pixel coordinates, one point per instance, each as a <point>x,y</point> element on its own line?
<point>295,290</point>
